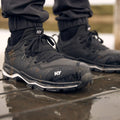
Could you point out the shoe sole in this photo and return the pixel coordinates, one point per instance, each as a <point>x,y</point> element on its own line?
<point>52,86</point>
<point>103,69</point>
<point>99,68</point>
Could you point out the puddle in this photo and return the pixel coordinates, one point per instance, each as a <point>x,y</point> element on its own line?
<point>106,108</point>
<point>103,108</point>
<point>1,75</point>
<point>4,109</point>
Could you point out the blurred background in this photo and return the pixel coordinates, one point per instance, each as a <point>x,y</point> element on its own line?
<point>102,20</point>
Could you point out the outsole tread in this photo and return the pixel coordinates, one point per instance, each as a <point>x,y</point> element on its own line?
<point>32,86</point>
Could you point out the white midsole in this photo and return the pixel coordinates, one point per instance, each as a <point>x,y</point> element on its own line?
<point>35,83</point>
<point>100,68</point>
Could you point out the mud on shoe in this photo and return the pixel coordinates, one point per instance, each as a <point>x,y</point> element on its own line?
<point>35,61</point>
<point>87,46</point>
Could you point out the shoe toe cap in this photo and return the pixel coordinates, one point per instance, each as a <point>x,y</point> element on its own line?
<point>73,71</point>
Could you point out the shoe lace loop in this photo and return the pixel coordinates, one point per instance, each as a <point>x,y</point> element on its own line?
<point>34,47</point>
<point>92,41</point>
<point>41,46</point>
<point>93,35</point>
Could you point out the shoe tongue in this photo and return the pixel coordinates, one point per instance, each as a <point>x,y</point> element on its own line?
<point>39,31</point>
<point>36,37</point>
<point>84,28</point>
<point>33,31</point>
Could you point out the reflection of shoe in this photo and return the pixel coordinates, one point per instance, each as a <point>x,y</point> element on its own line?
<point>37,63</point>
<point>86,46</point>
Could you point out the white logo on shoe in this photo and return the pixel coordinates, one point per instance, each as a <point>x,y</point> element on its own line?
<point>39,32</point>
<point>57,73</point>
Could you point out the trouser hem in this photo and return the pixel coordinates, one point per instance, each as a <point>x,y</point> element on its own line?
<point>65,24</point>
<point>18,23</point>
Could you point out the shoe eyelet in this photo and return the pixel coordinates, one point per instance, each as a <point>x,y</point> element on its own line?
<point>35,62</point>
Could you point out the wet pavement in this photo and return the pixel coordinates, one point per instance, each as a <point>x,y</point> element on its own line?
<point>99,101</point>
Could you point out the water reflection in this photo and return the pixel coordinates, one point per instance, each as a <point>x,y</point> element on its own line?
<point>106,108</point>
<point>4,109</point>
<point>88,110</point>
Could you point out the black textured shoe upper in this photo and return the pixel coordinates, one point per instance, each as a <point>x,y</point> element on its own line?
<point>87,46</point>
<point>34,56</point>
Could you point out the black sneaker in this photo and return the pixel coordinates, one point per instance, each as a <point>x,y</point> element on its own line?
<point>37,63</point>
<point>87,46</point>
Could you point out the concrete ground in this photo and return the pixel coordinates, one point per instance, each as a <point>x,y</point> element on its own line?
<point>99,101</point>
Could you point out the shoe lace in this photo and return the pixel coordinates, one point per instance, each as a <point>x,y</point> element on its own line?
<point>42,47</point>
<point>92,40</point>
<point>93,35</point>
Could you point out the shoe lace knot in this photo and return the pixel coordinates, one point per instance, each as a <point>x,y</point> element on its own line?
<point>41,46</point>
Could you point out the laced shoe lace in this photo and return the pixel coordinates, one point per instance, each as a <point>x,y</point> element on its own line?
<point>93,41</point>
<point>40,46</point>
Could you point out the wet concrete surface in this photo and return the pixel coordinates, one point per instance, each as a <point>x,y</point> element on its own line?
<point>99,101</point>
<point>17,102</point>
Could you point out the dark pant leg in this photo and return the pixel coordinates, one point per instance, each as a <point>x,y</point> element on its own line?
<point>71,12</point>
<point>24,13</point>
